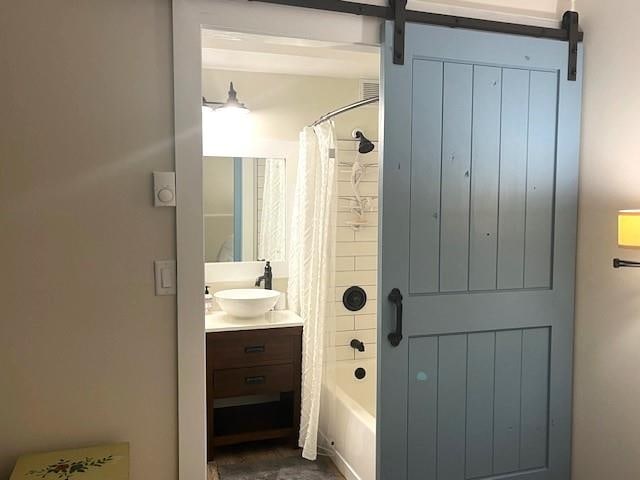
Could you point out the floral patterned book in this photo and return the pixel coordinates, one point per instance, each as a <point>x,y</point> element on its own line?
<point>94,463</point>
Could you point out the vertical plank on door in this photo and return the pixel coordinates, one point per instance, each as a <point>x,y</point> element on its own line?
<point>456,172</point>
<point>485,164</point>
<point>535,388</point>
<point>452,385</point>
<point>540,179</point>
<point>508,366</point>
<point>480,367</point>
<point>513,170</point>
<point>423,407</point>
<point>426,147</point>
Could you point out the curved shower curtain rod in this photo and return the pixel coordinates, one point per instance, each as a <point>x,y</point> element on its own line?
<point>346,108</point>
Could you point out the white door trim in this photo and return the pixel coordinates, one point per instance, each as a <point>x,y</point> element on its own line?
<point>190,240</point>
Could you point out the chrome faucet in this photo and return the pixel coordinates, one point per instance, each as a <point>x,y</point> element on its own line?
<point>267,277</point>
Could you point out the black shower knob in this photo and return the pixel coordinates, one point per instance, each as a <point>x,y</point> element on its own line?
<point>354,298</point>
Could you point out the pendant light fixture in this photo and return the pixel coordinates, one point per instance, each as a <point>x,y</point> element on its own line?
<point>231,106</point>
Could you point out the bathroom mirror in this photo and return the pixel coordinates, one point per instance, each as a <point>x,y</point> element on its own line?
<point>244,209</point>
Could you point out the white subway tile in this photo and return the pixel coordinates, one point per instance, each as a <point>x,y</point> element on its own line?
<point>344,323</point>
<point>365,277</point>
<point>343,217</point>
<point>363,322</point>
<point>345,234</point>
<point>370,351</point>
<point>344,338</point>
<point>368,309</point>
<point>367,234</point>
<point>368,337</point>
<point>350,249</point>
<point>345,264</point>
<point>343,353</point>
<point>356,257</point>
<point>345,204</point>
<point>347,145</point>
<point>366,262</point>
<point>371,174</point>
<point>365,188</point>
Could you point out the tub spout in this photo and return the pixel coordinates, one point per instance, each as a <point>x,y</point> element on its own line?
<point>357,345</point>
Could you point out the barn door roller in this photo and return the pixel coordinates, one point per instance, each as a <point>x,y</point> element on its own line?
<point>570,23</point>
<point>397,11</point>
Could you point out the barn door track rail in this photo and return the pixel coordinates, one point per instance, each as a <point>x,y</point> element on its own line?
<point>397,11</point>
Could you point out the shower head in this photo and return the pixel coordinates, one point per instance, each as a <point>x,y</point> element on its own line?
<point>365,145</point>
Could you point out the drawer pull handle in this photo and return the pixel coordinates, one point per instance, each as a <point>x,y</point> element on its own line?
<point>255,380</point>
<point>254,349</point>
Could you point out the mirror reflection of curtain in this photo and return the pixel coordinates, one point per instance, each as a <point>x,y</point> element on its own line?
<point>237,209</point>
<point>271,239</point>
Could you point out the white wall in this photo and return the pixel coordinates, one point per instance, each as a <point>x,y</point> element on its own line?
<point>607,343</point>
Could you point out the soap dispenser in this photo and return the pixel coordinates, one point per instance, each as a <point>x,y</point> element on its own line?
<point>208,301</point>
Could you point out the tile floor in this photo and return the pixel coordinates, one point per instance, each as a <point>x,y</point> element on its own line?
<point>250,453</point>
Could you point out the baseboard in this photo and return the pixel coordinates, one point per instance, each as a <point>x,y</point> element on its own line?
<point>344,467</point>
<point>341,464</point>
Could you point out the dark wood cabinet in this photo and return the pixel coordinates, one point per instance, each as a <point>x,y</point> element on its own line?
<point>265,362</point>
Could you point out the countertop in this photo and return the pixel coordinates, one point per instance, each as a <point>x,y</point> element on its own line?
<point>223,322</point>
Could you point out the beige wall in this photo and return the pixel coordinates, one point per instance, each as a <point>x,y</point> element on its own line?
<point>607,344</point>
<point>87,352</point>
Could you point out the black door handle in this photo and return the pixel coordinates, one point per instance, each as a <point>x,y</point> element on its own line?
<point>395,297</point>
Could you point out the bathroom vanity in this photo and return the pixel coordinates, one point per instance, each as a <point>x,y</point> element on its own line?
<point>253,378</point>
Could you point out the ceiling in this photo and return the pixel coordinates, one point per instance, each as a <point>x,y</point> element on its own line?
<point>266,54</point>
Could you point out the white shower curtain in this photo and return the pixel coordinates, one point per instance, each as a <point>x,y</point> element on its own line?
<point>311,266</point>
<point>272,220</point>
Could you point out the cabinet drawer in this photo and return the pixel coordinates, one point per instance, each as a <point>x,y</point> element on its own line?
<point>252,381</point>
<point>248,350</point>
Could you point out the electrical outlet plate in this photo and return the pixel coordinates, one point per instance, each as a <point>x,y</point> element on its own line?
<point>165,275</point>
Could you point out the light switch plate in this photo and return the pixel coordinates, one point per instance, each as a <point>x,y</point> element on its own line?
<point>164,189</point>
<point>165,274</point>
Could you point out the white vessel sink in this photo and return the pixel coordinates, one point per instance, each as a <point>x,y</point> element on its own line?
<point>247,302</point>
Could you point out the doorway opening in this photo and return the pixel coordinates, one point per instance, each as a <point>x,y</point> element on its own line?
<point>290,171</point>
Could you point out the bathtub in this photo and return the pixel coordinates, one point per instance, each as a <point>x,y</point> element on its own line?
<point>348,419</point>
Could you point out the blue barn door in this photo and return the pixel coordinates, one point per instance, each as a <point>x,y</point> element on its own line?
<point>478,234</point>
